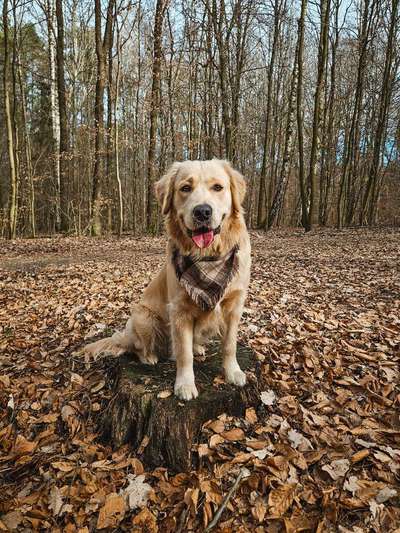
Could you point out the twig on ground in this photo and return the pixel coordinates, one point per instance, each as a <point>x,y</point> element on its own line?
<point>225,501</point>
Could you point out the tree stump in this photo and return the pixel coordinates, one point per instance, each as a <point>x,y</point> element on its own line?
<point>138,410</point>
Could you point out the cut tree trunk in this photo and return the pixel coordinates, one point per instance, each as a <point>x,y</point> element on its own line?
<point>164,429</point>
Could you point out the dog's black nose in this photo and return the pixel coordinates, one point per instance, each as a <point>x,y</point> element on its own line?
<point>202,213</point>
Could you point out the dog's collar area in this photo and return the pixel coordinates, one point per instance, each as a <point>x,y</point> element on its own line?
<point>205,279</point>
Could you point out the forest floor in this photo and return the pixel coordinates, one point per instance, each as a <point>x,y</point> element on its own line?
<point>321,453</point>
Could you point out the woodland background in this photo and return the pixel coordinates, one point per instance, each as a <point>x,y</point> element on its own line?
<point>98,98</point>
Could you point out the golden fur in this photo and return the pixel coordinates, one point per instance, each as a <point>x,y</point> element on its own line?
<point>166,315</point>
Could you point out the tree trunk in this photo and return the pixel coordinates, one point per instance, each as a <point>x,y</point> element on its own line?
<point>161,7</point>
<point>162,428</point>
<point>353,135</point>
<point>279,196</point>
<point>116,138</point>
<point>330,144</point>
<point>12,205</point>
<point>62,109</point>
<point>371,196</point>
<point>28,152</point>
<point>300,120</point>
<point>262,200</point>
<point>49,11</point>
<point>315,142</point>
<point>102,46</point>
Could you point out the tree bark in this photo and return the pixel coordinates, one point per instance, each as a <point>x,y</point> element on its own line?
<point>299,114</point>
<point>102,46</point>
<point>279,196</point>
<point>262,200</point>
<point>12,204</point>
<point>161,7</point>
<point>353,134</point>
<point>168,426</point>
<point>371,194</point>
<point>62,111</point>
<point>315,142</point>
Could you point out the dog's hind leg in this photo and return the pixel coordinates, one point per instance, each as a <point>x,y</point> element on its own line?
<point>149,334</point>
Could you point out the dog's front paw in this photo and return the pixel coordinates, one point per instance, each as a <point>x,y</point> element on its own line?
<point>185,390</point>
<point>236,377</point>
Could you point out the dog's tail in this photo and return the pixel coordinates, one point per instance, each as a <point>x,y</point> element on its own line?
<point>143,335</point>
<point>119,343</point>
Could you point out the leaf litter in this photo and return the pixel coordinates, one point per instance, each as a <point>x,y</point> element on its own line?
<point>321,452</point>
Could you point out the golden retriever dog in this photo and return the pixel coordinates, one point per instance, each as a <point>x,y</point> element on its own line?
<point>201,289</point>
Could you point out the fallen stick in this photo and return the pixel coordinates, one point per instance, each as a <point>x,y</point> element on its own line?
<point>225,501</point>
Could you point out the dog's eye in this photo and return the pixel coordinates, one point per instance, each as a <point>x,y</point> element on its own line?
<point>217,187</point>
<point>186,188</point>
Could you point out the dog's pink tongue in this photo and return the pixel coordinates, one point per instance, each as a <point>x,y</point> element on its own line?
<point>203,239</point>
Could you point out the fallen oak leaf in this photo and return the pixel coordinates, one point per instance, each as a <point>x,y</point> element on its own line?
<point>268,397</point>
<point>215,440</point>
<point>112,512</point>
<point>164,394</point>
<point>217,426</point>
<point>145,521</point>
<point>385,494</point>
<point>351,485</point>
<point>233,434</point>
<point>280,499</point>
<point>337,469</point>
<point>299,441</point>
<point>12,520</point>
<point>23,446</point>
<point>55,501</point>
<point>63,466</point>
<point>137,492</point>
<point>259,509</point>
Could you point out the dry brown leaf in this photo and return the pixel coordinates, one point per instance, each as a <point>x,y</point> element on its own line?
<point>234,434</point>
<point>23,446</point>
<point>63,466</point>
<point>12,520</point>
<point>359,456</point>
<point>55,501</point>
<point>137,492</point>
<point>217,426</point>
<point>251,415</point>
<point>215,440</point>
<point>337,469</point>
<point>280,499</point>
<point>164,394</point>
<point>112,512</point>
<point>259,509</point>
<point>145,521</point>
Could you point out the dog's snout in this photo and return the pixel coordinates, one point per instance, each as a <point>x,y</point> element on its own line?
<point>202,213</point>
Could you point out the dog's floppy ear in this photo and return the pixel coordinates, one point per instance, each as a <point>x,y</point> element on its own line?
<point>238,187</point>
<point>164,188</point>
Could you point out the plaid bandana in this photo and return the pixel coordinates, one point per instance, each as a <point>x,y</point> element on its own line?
<point>205,279</point>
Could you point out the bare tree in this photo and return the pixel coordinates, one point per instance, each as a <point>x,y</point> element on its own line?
<point>161,7</point>
<point>300,115</point>
<point>102,46</point>
<point>372,189</point>
<point>62,112</point>
<point>12,204</point>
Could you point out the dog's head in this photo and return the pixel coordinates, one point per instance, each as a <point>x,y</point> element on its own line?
<point>202,198</point>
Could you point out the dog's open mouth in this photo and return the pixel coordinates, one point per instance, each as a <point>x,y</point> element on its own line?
<point>204,236</point>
